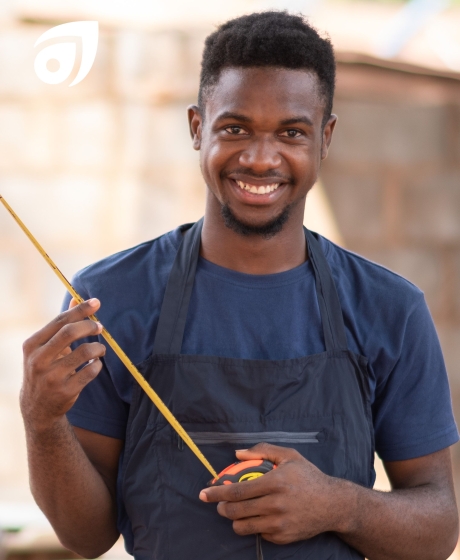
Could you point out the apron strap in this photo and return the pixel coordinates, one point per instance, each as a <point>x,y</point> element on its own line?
<point>173,315</point>
<point>328,299</point>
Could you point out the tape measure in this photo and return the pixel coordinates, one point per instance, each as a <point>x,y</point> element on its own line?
<point>242,471</point>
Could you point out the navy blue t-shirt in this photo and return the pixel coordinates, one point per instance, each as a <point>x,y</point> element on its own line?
<point>276,317</point>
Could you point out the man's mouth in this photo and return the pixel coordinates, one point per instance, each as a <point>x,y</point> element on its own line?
<point>263,189</point>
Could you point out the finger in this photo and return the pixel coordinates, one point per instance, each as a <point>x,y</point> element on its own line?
<point>85,375</point>
<point>78,313</point>
<point>72,303</point>
<point>273,453</point>
<point>239,491</point>
<point>64,352</point>
<point>247,508</point>
<point>77,382</point>
<point>270,527</point>
<point>80,356</point>
<point>66,336</point>
<point>250,526</point>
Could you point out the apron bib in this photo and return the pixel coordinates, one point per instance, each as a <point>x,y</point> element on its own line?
<point>318,405</point>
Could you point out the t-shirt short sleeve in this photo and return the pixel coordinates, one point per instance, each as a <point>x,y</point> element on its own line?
<point>412,409</point>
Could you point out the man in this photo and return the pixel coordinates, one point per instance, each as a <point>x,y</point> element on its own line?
<point>253,331</point>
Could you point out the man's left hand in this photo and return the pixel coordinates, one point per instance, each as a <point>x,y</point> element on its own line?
<point>293,502</point>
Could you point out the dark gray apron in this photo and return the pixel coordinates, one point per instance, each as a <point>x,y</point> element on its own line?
<point>318,405</point>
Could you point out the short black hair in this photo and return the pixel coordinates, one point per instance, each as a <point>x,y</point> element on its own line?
<point>271,38</point>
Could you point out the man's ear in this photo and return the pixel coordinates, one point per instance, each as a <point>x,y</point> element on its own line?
<point>195,122</point>
<point>327,135</point>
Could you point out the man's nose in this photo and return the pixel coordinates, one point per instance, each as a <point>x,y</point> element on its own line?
<point>260,155</point>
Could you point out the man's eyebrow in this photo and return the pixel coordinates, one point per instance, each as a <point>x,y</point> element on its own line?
<point>244,118</point>
<point>295,120</point>
<point>235,116</point>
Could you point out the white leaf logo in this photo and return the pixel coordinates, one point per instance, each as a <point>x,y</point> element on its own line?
<point>65,53</point>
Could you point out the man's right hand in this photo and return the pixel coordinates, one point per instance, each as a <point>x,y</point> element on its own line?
<point>73,471</point>
<point>51,383</point>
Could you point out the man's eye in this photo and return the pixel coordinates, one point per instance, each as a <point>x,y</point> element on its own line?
<point>234,129</point>
<point>291,133</point>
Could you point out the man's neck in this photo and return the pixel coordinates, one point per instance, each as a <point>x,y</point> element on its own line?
<point>253,254</point>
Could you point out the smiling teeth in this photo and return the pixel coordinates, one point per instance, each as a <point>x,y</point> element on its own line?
<point>258,190</point>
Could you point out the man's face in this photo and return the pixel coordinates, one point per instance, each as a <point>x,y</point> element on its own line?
<point>261,143</point>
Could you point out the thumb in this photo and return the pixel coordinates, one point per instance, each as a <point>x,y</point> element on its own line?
<point>273,453</point>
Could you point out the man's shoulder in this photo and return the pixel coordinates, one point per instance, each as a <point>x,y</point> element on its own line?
<point>144,262</point>
<point>364,280</point>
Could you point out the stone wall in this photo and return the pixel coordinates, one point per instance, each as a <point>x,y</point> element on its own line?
<point>393,181</point>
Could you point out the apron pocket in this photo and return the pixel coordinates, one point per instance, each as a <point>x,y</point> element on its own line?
<point>321,440</point>
<point>246,438</point>
<point>183,477</point>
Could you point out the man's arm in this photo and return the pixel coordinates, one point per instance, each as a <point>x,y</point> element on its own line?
<point>72,472</point>
<point>417,520</point>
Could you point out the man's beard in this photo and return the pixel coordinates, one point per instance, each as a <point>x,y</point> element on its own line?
<point>267,230</point>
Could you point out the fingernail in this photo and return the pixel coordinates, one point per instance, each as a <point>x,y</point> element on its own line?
<point>99,325</point>
<point>203,497</point>
<point>240,450</point>
<point>93,302</point>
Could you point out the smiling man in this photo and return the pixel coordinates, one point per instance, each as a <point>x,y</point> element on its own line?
<point>258,334</point>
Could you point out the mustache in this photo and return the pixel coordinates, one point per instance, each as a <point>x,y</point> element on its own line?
<point>250,173</point>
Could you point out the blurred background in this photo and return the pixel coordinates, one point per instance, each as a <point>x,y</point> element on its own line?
<point>106,164</point>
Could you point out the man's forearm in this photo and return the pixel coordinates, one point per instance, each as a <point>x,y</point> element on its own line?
<point>415,523</point>
<point>70,491</point>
